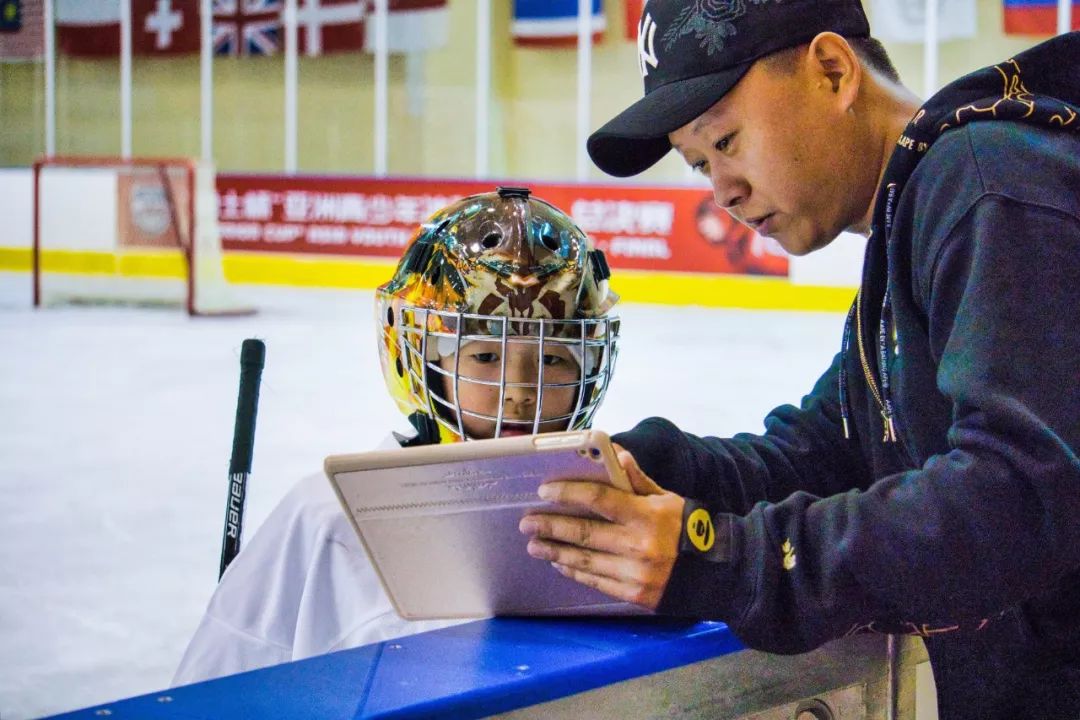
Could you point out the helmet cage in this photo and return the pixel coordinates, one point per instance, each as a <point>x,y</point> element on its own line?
<point>424,334</point>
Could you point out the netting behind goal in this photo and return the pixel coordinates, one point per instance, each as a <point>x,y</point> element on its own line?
<point>131,231</point>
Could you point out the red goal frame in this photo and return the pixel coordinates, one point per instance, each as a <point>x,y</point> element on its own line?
<point>185,240</point>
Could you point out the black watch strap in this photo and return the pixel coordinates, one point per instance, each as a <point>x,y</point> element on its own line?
<point>705,535</point>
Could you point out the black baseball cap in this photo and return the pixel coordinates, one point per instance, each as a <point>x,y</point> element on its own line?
<point>692,53</point>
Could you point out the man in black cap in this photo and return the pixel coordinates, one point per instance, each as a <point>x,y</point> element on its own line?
<point>930,481</point>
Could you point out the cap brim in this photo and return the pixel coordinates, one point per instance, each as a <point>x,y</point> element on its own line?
<point>636,139</point>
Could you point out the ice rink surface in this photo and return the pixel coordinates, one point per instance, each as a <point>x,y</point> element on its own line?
<point>116,427</point>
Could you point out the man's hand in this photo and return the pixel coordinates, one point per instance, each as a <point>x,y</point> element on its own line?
<point>628,554</point>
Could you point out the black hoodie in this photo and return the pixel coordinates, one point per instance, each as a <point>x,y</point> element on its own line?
<point>952,508</point>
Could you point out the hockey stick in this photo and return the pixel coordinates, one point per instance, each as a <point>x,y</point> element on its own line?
<point>252,357</point>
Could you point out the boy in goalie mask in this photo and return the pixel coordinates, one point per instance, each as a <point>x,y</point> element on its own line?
<point>495,323</point>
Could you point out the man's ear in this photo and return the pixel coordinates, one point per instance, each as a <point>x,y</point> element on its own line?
<point>835,67</point>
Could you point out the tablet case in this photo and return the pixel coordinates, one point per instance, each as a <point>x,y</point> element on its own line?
<point>440,523</point>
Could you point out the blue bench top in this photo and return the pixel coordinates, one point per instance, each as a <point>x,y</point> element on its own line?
<point>466,671</point>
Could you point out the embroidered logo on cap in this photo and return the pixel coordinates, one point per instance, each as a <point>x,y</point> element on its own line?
<point>710,21</point>
<point>646,36</point>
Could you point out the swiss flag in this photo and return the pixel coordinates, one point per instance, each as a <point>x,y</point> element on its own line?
<point>158,27</point>
<point>165,27</point>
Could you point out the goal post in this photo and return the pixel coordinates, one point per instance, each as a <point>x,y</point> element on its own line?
<point>129,231</point>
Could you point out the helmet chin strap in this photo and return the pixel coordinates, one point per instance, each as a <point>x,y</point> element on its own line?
<point>427,431</point>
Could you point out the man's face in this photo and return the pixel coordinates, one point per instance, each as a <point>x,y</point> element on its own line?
<point>772,150</point>
<point>482,361</point>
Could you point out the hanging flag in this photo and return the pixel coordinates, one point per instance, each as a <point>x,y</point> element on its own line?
<point>553,22</point>
<point>88,27</point>
<point>165,27</point>
<point>10,16</point>
<point>329,26</point>
<point>248,27</point>
<point>1036,17</point>
<point>905,20</point>
<point>256,27</point>
<point>326,26</point>
<point>634,8</point>
<point>411,26</point>
<point>91,28</point>
<point>22,34</point>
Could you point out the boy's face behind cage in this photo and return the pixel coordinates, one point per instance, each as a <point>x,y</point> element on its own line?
<point>500,392</point>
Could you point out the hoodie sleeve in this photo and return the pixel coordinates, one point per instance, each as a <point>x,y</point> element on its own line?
<point>975,529</point>
<point>802,448</point>
<point>767,596</point>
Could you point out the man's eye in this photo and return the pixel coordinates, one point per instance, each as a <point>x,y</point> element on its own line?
<point>553,359</point>
<point>485,357</point>
<point>700,167</point>
<point>724,143</point>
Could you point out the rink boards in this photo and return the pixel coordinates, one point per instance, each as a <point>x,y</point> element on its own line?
<point>618,668</point>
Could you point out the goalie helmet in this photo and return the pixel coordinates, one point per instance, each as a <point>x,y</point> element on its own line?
<point>498,267</point>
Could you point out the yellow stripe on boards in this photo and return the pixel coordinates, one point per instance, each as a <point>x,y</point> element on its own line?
<point>162,264</point>
<point>307,271</point>
<point>730,291</point>
<point>169,264</point>
<point>15,259</point>
<point>82,263</point>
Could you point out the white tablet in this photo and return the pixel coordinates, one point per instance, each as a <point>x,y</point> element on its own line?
<point>440,523</point>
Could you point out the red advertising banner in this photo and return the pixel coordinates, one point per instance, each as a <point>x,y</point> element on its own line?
<point>638,228</point>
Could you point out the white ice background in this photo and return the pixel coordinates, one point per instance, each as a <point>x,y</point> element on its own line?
<point>116,428</point>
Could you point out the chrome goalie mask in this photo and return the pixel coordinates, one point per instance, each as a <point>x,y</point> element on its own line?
<point>495,322</point>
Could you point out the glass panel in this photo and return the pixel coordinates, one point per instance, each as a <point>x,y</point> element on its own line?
<point>433,94</point>
<point>87,105</point>
<point>249,113</point>
<point>164,106</point>
<point>22,112</point>
<point>432,99</point>
<point>336,97</point>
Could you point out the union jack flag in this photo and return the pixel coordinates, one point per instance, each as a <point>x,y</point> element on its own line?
<point>247,27</point>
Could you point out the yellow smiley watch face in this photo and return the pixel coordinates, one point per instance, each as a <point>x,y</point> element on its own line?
<point>699,529</point>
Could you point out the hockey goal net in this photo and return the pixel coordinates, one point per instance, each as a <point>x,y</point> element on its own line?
<point>131,231</point>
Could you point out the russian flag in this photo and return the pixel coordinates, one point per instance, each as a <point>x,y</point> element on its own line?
<point>1036,17</point>
<point>552,22</point>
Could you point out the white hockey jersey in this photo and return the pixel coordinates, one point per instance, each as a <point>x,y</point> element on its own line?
<point>302,586</point>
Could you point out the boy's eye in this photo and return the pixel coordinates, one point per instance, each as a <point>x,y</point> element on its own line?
<point>485,357</point>
<point>701,167</point>
<point>553,359</point>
